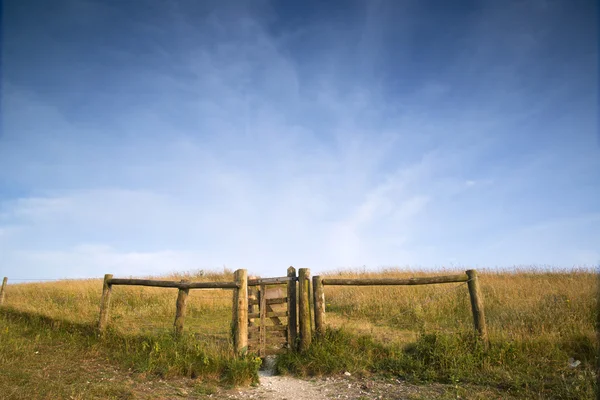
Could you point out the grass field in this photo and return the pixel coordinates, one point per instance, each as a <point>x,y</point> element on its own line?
<point>537,321</point>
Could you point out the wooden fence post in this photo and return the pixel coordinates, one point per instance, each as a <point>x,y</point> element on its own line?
<point>252,297</point>
<point>2,290</point>
<point>180,310</point>
<point>263,320</point>
<point>319,305</point>
<point>240,311</point>
<point>105,303</point>
<point>292,310</point>
<point>304,308</point>
<point>477,305</point>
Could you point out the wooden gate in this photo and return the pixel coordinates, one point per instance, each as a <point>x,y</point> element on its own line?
<point>272,315</point>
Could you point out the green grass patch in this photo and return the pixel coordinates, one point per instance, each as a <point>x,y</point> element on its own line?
<point>529,369</point>
<point>26,339</point>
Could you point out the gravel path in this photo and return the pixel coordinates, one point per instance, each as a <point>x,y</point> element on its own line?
<point>288,388</point>
<point>339,387</point>
<point>284,387</point>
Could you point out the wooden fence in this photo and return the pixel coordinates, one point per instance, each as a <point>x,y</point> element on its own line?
<point>299,331</point>
<point>469,276</point>
<point>240,301</point>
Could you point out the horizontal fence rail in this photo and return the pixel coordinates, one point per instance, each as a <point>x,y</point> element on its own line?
<point>393,281</point>
<point>470,277</point>
<point>240,301</point>
<point>174,284</point>
<point>271,281</point>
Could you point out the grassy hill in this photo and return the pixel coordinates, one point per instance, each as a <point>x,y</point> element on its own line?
<point>537,322</point>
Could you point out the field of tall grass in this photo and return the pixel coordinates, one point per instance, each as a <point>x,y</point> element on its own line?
<point>541,326</point>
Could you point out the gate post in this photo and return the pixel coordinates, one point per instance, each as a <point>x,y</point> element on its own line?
<point>477,305</point>
<point>304,308</point>
<point>319,305</point>
<point>240,311</point>
<point>104,303</point>
<point>292,310</point>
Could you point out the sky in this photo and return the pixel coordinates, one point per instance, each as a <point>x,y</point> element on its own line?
<point>145,137</point>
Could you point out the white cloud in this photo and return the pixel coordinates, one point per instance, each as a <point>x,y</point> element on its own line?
<point>93,261</point>
<point>236,153</point>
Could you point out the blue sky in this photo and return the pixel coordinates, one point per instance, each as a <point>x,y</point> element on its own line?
<point>145,137</point>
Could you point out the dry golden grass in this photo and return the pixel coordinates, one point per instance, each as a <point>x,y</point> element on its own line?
<point>536,321</point>
<point>133,309</point>
<point>521,305</point>
<point>541,327</point>
<point>518,305</point>
<point>37,320</point>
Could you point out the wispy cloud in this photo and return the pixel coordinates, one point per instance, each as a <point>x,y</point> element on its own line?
<point>196,136</point>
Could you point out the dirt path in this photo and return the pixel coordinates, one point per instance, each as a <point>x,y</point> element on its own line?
<point>339,387</point>
<point>283,387</point>
<point>288,388</point>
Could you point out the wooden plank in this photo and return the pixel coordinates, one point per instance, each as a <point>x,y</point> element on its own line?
<point>276,315</point>
<point>145,282</point>
<point>268,328</point>
<point>263,320</point>
<point>254,346</point>
<point>173,284</point>
<point>292,310</point>
<point>270,314</point>
<point>276,292</point>
<point>213,285</point>
<point>396,281</point>
<point>270,337</point>
<point>272,340</point>
<point>252,303</point>
<point>272,351</point>
<point>269,281</point>
<point>280,300</point>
